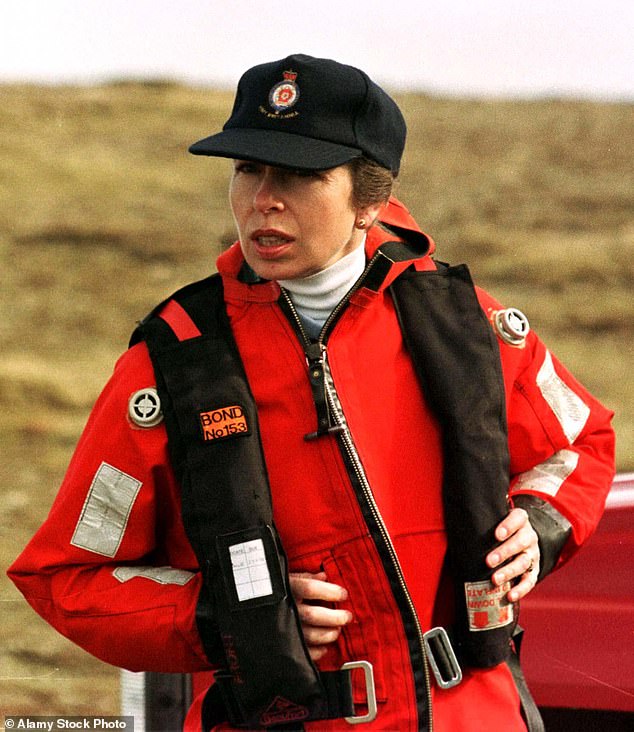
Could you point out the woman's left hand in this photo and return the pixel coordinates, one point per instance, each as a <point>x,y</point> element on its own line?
<point>519,543</point>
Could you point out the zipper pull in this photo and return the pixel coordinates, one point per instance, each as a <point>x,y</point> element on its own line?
<point>316,358</point>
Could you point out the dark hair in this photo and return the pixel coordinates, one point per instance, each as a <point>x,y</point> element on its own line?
<point>371,182</point>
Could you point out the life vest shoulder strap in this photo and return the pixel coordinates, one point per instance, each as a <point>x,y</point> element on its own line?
<point>189,312</point>
<point>456,358</point>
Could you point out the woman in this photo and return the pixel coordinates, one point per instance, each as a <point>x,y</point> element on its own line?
<point>301,467</point>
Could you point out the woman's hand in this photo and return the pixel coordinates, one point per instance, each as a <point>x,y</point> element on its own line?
<point>519,542</point>
<point>321,624</point>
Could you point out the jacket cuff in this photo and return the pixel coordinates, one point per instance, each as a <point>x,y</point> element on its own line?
<point>553,530</point>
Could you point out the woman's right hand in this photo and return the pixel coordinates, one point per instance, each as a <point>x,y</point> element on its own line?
<point>321,624</point>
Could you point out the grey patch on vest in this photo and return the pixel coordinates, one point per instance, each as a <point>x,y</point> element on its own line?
<point>106,511</point>
<point>162,575</point>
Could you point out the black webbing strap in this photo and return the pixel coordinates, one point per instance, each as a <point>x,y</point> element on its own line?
<point>530,712</point>
<point>218,705</point>
<point>448,674</point>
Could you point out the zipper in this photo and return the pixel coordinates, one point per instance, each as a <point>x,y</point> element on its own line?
<point>316,356</point>
<point>355,461</point>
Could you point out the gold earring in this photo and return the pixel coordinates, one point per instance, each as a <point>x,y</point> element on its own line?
<point>361,224</point>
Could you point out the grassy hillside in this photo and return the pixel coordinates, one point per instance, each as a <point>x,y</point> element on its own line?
<point>103,213</point>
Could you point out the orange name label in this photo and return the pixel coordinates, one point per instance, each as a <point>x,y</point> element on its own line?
<point>223,422</point>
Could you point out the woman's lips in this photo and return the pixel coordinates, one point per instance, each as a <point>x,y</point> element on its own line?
<point>270,244</point>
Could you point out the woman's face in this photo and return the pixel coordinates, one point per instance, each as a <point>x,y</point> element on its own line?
<point>292,223</point>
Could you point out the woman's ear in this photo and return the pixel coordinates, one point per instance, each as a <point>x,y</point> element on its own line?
<point>367,215</point>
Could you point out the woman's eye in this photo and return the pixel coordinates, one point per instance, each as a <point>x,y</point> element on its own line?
<point>245,167</point>
<point>305,173</point>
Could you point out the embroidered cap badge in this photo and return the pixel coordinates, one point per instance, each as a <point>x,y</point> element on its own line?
<point>284,94</point>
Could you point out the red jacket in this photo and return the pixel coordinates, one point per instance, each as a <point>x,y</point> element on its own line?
<point>112,569</point>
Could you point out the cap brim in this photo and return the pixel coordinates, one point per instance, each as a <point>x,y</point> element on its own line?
<point>281,149</point>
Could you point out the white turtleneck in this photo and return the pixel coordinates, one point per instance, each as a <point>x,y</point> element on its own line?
<point>317,295</point>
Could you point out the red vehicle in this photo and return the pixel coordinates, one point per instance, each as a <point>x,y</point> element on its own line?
<point>578,656</point>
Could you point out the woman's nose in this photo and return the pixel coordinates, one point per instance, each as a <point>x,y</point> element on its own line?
<point>268,193</point>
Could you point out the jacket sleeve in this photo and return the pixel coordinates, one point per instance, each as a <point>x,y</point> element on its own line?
<point>562,451</point>
<point>111,568</point>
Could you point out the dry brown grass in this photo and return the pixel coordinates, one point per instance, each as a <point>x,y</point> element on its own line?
<point>102,213</point>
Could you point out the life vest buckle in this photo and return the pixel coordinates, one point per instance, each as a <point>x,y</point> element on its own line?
<point>442,658</point>
<point>370,691</point>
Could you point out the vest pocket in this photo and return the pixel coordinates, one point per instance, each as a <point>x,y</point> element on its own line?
<point>360,639</point>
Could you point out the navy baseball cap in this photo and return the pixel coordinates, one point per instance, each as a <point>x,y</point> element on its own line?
<point>309,114</point>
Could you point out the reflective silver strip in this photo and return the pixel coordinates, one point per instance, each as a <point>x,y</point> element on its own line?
<point>571,411</point>
<point>106,511</point>
<point>548,477</point>
<point>162,575</point>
